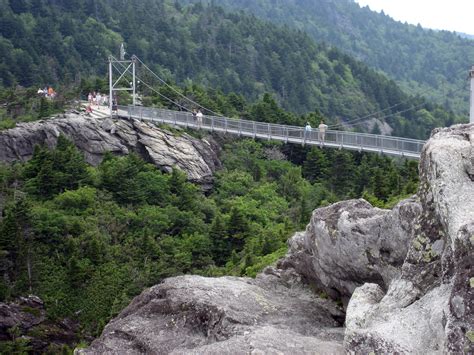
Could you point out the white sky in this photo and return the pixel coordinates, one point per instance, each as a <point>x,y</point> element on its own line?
<point>451,15</point>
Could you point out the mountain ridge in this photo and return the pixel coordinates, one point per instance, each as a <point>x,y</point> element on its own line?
<point>420,60</point>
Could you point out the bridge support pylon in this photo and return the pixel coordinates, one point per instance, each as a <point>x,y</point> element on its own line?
<point>126,70</point>
<point>471,115</point>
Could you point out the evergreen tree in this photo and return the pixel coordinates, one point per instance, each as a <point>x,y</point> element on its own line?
<point>316,165</point>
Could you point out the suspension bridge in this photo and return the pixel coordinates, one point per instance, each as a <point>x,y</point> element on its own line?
<point>362,142</point>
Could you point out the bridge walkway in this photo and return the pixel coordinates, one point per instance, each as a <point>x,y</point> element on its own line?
<point>394,146</point>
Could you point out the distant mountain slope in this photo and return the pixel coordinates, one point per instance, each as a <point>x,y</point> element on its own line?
<point>434,63</point>
<point>58,40</point>
<point>465,35</point>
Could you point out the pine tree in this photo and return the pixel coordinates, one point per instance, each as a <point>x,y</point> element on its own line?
<point>316,165</point>
<point>221,247</point>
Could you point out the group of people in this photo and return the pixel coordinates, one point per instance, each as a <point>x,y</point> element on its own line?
<point>321,131</point>
<point>197,116</point>
<point>47,92</point>
<point>97,99</point>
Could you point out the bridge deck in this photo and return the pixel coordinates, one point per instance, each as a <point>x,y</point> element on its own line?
<point>396,146</point>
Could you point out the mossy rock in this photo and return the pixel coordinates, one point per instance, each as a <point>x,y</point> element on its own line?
<point>470,335</point>
<point>417,245</point>
<point>33,311</point>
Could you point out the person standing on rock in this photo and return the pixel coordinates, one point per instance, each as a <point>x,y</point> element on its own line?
<point>322,132</point>
<point>99,99</point>
<point>199,118</point>
<point>89,110</point>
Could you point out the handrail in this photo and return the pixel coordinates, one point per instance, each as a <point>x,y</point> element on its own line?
<point>408,147</point>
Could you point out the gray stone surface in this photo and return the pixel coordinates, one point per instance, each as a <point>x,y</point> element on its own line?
<point>196,157</point>
<point>429,309</point>
<point>227,315</point>
<point>396,321</point>
<point>351,242</point>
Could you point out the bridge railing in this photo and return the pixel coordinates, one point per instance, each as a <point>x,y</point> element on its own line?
<point>343,139</point>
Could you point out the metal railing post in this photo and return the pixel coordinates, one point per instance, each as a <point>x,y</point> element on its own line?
<point>269,131</point>
<point>225,124</point>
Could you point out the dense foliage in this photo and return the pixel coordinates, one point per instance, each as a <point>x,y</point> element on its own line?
<point>434,63</point>
<point>58,41</point>
<point>88,239</point>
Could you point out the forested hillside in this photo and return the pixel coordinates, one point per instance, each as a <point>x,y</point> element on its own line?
<point>63,41</point>
<point>434,63</point>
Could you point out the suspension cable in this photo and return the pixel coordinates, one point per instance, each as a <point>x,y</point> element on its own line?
<point>176,91</point>
<point>156,91</point>
<point>352,122</point>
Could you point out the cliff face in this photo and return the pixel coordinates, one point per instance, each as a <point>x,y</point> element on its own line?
<point>405,277</point>
<point>197,158</point>
<point>429,308</point>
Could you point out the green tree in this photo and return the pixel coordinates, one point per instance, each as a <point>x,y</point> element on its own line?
<point>316,165</point>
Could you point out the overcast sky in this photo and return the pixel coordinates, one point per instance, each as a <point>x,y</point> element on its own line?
<point>451,15</point>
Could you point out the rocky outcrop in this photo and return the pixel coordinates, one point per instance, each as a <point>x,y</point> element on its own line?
<point>196,157</point>
<point>25,319</point>
<point>350,243</point>
<point>429,309</point>
<point>228,315</point>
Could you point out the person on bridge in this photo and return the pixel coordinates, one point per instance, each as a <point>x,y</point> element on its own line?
<point>114,105</point>
<point>322,132</point>
<point>307,131</point>
<point>199,118</point>
<point>194,113</point>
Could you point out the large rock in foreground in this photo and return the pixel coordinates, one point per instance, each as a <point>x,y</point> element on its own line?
<point>93,136</point>
<point>227,315</point>
<point>430,308</point>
